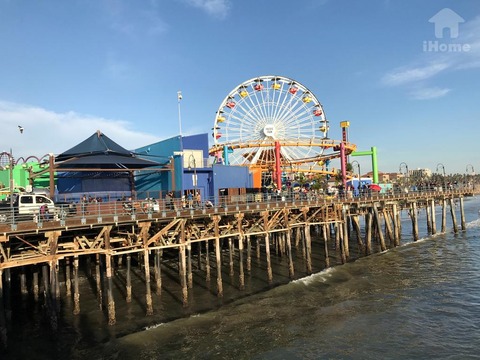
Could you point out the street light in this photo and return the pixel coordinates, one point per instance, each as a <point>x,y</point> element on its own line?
<point>440,165</point>
<point>402,164</point>
<point>179,98</point>
<point>470,166</point>
<point>355,162</point>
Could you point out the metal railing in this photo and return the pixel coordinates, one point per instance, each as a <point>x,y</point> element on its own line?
<point>127,210</point>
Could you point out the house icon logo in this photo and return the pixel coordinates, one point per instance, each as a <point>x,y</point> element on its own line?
<point>446,19</point>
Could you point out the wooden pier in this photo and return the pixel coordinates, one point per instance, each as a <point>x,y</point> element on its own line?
<point>108,236</point>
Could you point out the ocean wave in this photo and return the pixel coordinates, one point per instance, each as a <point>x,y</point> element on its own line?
<point>151,327</point>
<point>473,224</point>
<point>322,276</point>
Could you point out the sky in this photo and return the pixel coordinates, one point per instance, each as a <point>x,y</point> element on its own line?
<point>70,68</point>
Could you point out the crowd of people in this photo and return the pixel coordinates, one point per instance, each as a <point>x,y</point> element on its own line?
<point>191,200</point>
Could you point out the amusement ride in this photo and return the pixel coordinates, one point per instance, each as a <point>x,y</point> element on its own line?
<point>277,127</point>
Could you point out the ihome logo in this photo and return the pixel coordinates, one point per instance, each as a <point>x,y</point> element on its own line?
<point>446,21</point>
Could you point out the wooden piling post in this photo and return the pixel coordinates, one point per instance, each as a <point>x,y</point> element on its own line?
<point>98,281</point>
<point>76,291</point>
<point>325,245</point>
<point>368,233</point>
<point>189,266</point>
<point>267,255</point>
<point>111,301</point>
<point>358,233</point>
<point>297,237</point>
<point>302,242</point>
<point>52,309</point>
<point>462,215</point>
<point>183,265</point>
<point>231,250</point>
<point>129,279</point>
<point>68,279</point>
<point>340,242</point>
<point>396,225</point>
<point>291,269</point>
<point>109,274</point>
<point>257,248</point>
<point>148,288</point>
<point>337,239</point>
<point>241,275</point>
<point>346,231</point>
<point>388,227</point>
<point>444,215</point>
<point>267,246</point>
<point>207,261</point>
<point>454,218</point>
<point>434,220</point>
<point>413,216</point>
<point>23,282</point>
<point>308,245</point>
<point>57,283</point>
<point>158,271</point>
<point>218,254</point>
<point>379,227</point>
<point>35,283</point>
<point>249,255</point>
<point>46,282</point>
<point>428,212</point>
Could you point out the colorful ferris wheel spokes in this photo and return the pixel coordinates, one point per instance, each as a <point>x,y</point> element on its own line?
<point>263,112</point>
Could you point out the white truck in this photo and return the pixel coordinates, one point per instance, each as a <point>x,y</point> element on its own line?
<point>31,206</point>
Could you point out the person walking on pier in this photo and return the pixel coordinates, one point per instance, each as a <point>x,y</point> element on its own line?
<point>190,199</point>
<point>169,200</point>
<point>198,200</point>
<point>44,213</point>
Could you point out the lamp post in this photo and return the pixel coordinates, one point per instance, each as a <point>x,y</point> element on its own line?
<point>440,165</point>
<point>179,98</point>
<point>469,166</point>
<point>355,162</point>
<point>404,165</point>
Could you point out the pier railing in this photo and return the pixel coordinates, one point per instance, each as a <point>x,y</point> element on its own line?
<point>96,213</point>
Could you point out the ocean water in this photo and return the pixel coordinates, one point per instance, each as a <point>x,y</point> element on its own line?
<point>420,300</point>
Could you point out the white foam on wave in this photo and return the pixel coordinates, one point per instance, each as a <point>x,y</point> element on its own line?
<point>473,224</point>
<point>322,276</point>
<point>151,327</point>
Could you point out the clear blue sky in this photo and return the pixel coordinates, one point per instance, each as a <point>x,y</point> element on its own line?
<point>69,68</point>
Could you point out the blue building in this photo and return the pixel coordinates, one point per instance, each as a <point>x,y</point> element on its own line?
<point>188,168</point>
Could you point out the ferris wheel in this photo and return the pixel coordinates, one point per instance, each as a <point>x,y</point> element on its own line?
<point>268,113</point>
